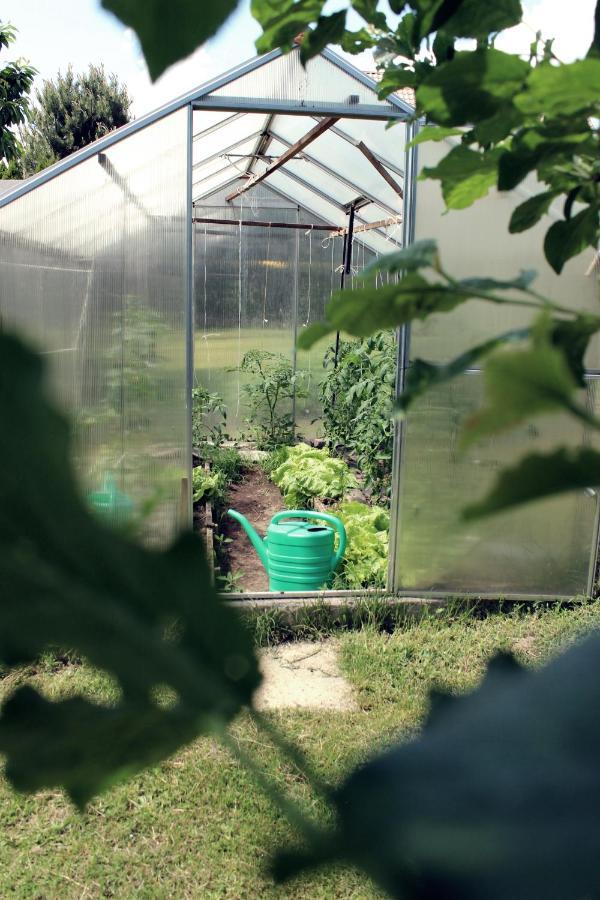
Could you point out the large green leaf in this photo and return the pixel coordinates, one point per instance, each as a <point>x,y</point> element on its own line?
<point>423,375</point>
<point>520,384</point>
<point>572,336</point>
<point>328,30</point>
<point>562,90</point>
<point>168,31</point>
<point>531,211</point>
<point>434,133</point>
<point>363,312</point>
<point>283,20</point>
<point>418,255</point>
<point>150,619</point>
<point>466,175</point>
<point>477,20</point>
<point>471,87</point>
<point>497,798</point>
<point>537,476</point>
<point>569,237</point>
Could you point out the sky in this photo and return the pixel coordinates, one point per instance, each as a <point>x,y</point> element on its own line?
<point>56,33</point>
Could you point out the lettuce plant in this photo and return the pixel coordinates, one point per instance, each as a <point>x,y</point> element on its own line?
<point>366,558</point>
<point>306,473</point>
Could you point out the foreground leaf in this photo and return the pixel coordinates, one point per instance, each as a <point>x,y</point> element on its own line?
<point>465,175</point>
<point>569,237</point>
<point>499,797</point>
<point>472,87</point>
<point>520,384</point>
<point>169,31</point>
<point>283,20</point>
<point>562,90</point>
<point>531,211</point>
<point>423,375</point>
<point>537,476</point>
<point>151,620</point>
<point>363,312</point>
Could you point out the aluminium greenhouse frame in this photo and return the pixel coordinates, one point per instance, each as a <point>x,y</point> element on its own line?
<point>207,99</point>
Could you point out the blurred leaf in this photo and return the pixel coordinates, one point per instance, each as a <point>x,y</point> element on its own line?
<point>537,476</point>
<point>477,20</point>
<point>394,78</point>
<point>471,87</point>
<point>568,238</point>
<point>498,797</point>
<point>594,50</point>
<point>150,619</point>
<point>433,133</point>
<point>498,126</point>
<point>562,90</point>
<point>573,337</point>
<point>283,20</point>
<point>423,375</point>
<point>418,255</point>
<point>520,384</point>
<point>521,282</point>
<point>368,9</point>
<point>465,175</point>
<point>169,31</point>
<point>531,211</point>
<point>362,312</point>
<point>328,30</point>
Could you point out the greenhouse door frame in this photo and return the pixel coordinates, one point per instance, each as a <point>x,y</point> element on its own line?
<point>342,111</point>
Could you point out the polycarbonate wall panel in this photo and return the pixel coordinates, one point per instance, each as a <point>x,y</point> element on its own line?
<point>93,273</point>
<point>287,277</point>
<point>245,295</point>
<point>476,241</point>
<point>286,79</point>
<point>542,548</point>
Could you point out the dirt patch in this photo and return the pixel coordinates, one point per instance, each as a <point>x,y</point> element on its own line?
<point>303,674</point>
<point>258,499</point>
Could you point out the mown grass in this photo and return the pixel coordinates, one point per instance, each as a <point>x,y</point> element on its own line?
<point>197,826</point>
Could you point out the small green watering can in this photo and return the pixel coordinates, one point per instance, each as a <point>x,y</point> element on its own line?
<point>298,555</point>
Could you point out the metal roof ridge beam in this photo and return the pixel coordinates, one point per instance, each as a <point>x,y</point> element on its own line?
<point>341,178</point>
<point>319,129</point>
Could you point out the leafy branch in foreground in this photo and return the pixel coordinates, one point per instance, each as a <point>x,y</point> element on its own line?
<point>528,372</point>
<point>151,620</point>
<point>509,116</point>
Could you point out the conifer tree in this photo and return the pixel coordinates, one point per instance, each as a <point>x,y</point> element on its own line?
<point>70,112</point>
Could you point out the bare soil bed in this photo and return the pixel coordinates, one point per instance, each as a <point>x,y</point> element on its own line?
<point>258,499</point>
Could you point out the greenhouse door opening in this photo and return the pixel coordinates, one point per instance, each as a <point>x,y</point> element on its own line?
<point>276,427</point>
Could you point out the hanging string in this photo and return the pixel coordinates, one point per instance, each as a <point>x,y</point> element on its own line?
<point>265,321</point>
<point>206,345</point>
<point>310,234</point>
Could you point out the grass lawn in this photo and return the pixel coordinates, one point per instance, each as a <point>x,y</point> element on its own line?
<point>197,826</point>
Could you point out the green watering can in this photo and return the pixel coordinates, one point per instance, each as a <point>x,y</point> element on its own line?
<point>110,502</point>
<point>298,555</point>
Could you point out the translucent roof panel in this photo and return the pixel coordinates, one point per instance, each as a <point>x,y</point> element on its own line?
<point>229,134</point>
<point>326,81</point>
<point>240,156</point>
<point>338,154</point>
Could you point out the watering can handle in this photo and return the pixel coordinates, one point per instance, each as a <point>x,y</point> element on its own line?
<point>326,517</point>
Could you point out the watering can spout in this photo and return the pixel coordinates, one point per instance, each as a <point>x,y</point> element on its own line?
<point>257,542</point>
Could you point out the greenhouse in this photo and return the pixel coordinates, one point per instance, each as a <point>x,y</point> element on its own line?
<point>165,273</point>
